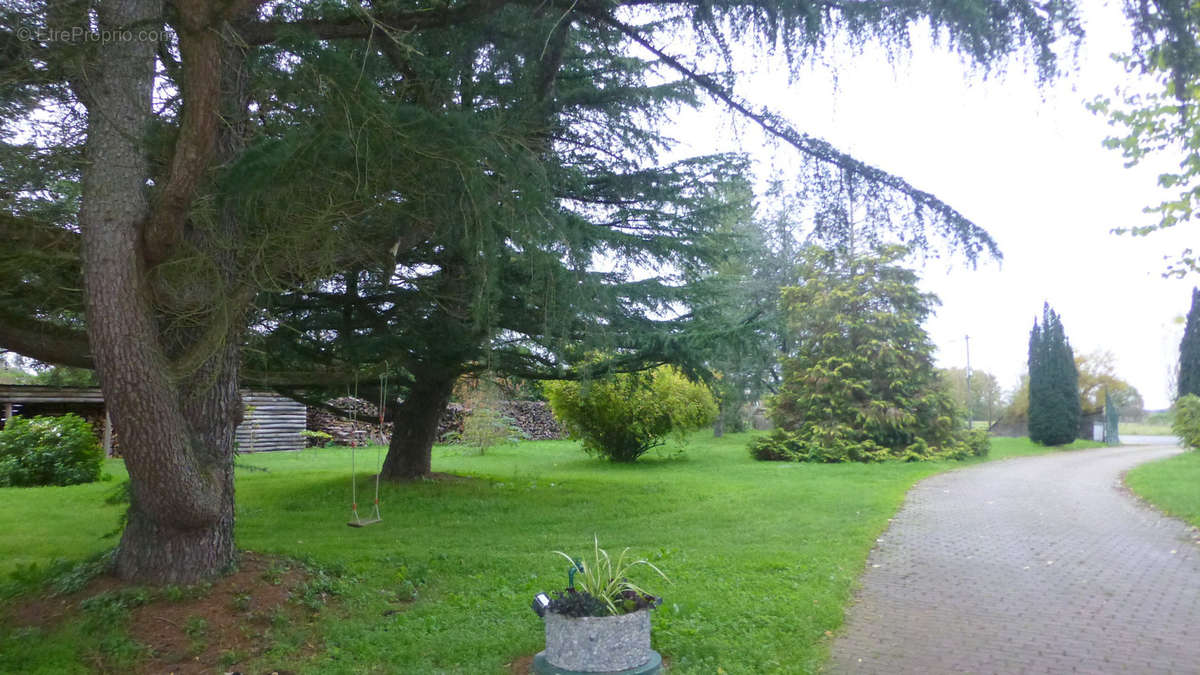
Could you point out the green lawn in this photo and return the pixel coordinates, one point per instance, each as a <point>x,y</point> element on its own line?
<point>1172,485</point>
<point>763,556</point>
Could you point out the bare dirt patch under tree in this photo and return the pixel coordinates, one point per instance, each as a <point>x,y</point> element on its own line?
<point>267,604</point>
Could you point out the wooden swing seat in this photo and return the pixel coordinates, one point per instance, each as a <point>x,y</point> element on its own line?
<point>364,523</point>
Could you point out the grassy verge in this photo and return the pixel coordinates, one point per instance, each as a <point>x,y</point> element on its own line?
<point>763,556</point>
<point>1006,448</point>
<point>1172,485</point>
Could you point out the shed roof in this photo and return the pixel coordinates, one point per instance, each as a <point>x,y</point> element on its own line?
<point>25,393</point>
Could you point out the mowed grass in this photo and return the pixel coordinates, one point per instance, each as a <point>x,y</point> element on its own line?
<point>763,556</point>
<point>1172,485</point>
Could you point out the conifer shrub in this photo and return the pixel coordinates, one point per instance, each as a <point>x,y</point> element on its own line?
<point>1054,405</point>
<point>48,451</point>
<point>979,442</point>
<point>623,416</point>
<point>859,383</point>
<point>1187,420</point>
<point>1189,350</point>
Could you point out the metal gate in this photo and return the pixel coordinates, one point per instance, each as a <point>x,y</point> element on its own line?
<point>1111,420</point>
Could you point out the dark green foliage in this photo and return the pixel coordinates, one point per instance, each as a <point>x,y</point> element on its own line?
<point>476,234</point>
<point>1187,420</point>
<point>64,376</point>
<point>577,604</point>
<point>859,384</point>
<point>1054,407</point>
<point>623,416</point>
<point>48,451</point>
<point>1189,350</point>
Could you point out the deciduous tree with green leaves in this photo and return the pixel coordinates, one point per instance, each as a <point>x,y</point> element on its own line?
<point>986,393</point>
<point>1158,115</point>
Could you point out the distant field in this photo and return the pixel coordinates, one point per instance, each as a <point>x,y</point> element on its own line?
<point>1142,429</point>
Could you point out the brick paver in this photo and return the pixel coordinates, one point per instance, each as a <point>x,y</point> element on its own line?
<point>1034,565</point>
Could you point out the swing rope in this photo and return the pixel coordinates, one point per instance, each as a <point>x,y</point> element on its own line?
<point>376,516</point>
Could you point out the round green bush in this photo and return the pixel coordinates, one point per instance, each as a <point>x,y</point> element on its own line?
<point>48,451</point>
<point>623,416</point>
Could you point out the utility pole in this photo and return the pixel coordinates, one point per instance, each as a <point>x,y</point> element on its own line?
<point>970,420</point>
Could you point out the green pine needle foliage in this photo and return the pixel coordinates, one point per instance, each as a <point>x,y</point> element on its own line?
<point>859,384</point>
<point>1189,350</point>
<point>1054,406</point>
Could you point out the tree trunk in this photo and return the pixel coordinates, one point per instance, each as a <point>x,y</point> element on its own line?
<point>415,426</point>
<point>719,424</point>
<point>176,430</point>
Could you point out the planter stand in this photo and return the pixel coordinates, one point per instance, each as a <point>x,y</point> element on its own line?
<point>617,645</point>
<point>543,667</point>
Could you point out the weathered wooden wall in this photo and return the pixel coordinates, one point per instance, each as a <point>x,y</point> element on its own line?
<point>272,422</point>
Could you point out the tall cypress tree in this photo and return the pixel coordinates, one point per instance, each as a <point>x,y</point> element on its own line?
<point>1054,408</point>
<point>1189,350</point>
<point>1037,379</point>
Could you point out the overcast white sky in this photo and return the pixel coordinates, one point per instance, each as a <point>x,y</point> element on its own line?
<point>1026,164</point>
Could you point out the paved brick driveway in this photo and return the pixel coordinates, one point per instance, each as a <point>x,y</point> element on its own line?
<point>1032,565</point>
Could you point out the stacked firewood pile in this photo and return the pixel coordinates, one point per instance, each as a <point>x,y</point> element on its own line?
<point>361,424</point>
<point>532,418</point>
<point>96,419</point>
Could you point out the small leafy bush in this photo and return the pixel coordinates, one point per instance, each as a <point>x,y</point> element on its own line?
<point>1187,420</point>
<point>48,451</point>
<point>624,416</point>
<point>487,427</point>
<point>318,439</point>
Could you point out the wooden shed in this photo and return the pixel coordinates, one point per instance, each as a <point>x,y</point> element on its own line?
<point>272,422</point>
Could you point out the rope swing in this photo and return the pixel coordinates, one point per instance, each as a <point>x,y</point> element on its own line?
<point>376,517</point>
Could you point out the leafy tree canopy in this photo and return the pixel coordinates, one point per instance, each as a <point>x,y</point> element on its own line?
<point>986,396</point>
<point>1166,118</point>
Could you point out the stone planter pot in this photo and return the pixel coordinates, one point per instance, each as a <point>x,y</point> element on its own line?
<point>606,644</point>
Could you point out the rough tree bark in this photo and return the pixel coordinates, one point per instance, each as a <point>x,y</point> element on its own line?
<point>415,425</point>
<point>176,428</point>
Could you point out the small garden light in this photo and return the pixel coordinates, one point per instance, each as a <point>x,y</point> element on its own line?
<point>541,602</point>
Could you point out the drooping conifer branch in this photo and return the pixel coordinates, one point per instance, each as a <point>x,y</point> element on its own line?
<point>955,226</point>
